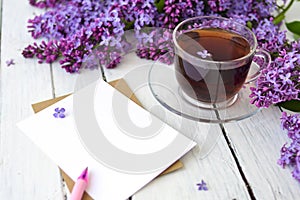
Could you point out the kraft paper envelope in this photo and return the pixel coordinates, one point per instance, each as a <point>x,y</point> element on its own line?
<point>121,86</point>
<point>121,161</point>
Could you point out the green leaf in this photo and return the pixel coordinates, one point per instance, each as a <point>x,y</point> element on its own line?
<point>278,18</point>
<point>296,36</point>
<point>292,105</point>
<point>281,15</point>
<point>160,5</point>
<point>294,27</point>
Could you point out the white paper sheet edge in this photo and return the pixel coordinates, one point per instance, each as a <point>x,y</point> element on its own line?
<point>58,139</point>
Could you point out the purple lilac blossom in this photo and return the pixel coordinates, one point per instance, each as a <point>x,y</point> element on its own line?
<point>108,57</point>
<point>74,48</point>
<point>10,62</point>
<point>291,123</point>
<point>290,155</point>
<point>45,52</point>
<point>193,8</point>
<point>278,82</point>
<point>59,113</point>
<point>138,12</point>
<point>156,45</point>
<point>65,22</point>
<point>204,54</point>
<point>106,31</point>
<point>202,186</point>
<point>219,5</point>
<point>45,3</point>
<point>66,19</point>
<point>276,39</point>
<point>171,15</point>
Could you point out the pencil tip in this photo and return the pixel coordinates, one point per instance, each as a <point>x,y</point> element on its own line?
<point>84,174</point>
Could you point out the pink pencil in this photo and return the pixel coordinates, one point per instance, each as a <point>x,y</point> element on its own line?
<point>80,185</point>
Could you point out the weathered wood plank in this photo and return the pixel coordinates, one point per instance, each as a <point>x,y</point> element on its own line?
<point>63,82</point>
<point>257,142</point>
<point>26,173</point>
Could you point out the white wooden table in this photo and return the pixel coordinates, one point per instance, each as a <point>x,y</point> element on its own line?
<point>242,164</point>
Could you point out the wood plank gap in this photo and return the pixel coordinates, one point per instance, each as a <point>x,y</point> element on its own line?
<point>103,73</point>
<point>64,188</point>
<point>248,186</point>
<point>52,81</point>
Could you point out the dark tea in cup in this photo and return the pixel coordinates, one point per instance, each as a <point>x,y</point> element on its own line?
<point>220,45</point>
<point>213,56</point>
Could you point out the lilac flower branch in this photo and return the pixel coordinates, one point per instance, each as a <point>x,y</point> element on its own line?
<point>279,82</point>
<point>290,155</point>
<point>65,21</point>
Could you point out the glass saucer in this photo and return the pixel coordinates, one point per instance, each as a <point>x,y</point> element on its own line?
<point>166,90</point>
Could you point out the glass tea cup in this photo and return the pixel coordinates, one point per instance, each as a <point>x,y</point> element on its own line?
<point>213,56</point>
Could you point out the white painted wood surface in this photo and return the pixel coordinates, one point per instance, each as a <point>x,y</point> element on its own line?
<point>257,142</point>
<point>25,173</point>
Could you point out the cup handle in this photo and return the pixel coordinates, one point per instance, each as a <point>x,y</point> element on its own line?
<point>266,62</point>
